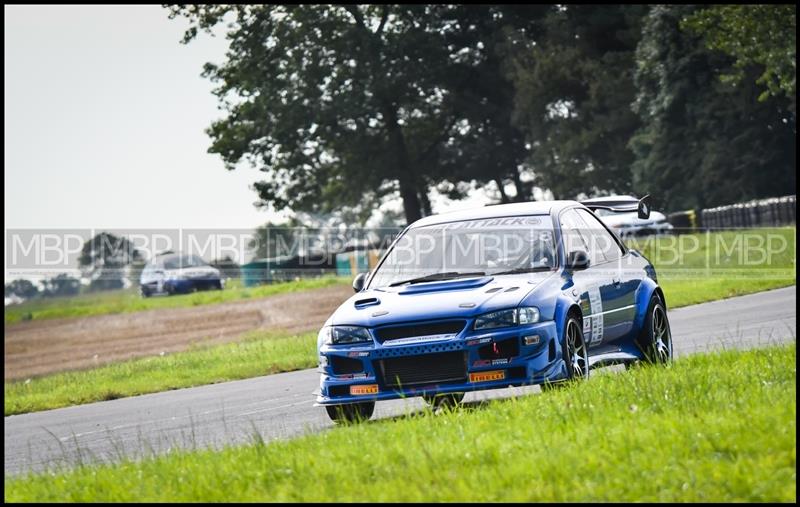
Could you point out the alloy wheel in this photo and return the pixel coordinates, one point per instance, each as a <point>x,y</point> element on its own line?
<point>662,338</point>
<point>577,354</point>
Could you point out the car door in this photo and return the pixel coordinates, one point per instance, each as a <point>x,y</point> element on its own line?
<point>618,287</point>
<point>588,285</point>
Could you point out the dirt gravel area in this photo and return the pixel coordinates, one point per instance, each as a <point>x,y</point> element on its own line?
<point>37,348</point>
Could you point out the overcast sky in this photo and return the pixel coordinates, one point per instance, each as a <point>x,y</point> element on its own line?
<point>105,114</point>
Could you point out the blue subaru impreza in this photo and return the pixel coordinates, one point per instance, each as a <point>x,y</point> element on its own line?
<point>507,295</point>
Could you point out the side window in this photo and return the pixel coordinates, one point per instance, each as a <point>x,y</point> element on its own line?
<point>600,239</point>
<point>573,238</point>
<point>571,218</point>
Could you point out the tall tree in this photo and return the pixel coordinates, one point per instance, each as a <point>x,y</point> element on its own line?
<point>574,85</point>
<point>704,142</point>
<point>104,259</point>
<point>345,105</point>
<point>490,148</point>
<point>754,35</point>
<point>336,104</point>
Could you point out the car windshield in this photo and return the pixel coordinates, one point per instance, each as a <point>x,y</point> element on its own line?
<point>183,261</point>
<point>493,246</point>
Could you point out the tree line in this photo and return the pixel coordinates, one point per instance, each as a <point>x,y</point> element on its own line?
<point>343,106</point>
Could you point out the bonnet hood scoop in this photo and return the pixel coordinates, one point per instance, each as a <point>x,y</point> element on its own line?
<point>443,285</point>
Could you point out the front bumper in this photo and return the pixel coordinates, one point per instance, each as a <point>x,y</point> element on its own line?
<point>529,364</point>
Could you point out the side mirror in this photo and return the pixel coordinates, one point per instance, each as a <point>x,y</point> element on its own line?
<point>577,260</point>
<point>643,209</point>
<point>358,281</point>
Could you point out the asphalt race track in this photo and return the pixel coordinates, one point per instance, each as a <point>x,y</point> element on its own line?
<point>280,406</point>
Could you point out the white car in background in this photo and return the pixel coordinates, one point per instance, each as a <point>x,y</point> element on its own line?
<point>178,273</point>
<point>628,224</point>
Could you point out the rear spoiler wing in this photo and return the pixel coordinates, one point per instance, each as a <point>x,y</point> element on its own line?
<point>642,207</point>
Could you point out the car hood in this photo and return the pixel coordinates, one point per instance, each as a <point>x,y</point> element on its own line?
<point>464,297</point>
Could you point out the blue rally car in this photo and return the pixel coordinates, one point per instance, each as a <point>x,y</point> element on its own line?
<point>505,295</point>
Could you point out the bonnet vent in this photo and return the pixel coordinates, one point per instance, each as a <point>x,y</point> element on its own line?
<point>361,303</point>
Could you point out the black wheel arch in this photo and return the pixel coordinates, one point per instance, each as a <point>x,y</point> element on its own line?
<point>660,294</point>
<point>575,311</point>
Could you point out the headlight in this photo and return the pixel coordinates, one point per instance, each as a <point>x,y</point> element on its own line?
<point>507,318</point>
<point>337,335</point>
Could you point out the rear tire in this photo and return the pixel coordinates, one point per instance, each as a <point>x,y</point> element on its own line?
<point>352,412</point>
<point>437,401</point>
<point>655,340</point>
<point>575,355</point>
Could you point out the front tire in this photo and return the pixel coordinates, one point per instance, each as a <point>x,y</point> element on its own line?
<point>656,338</point>
<point>352,412</point>
<point>576,355</point>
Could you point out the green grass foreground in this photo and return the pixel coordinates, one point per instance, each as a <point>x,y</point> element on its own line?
<point>129,301</point>
<point>710,428</point>
<point>259,353</point>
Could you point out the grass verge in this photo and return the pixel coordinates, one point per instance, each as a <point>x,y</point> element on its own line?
<point>129,301</point>
<point>700,267</point>
<point>259,353</point>
<point>710,428</point>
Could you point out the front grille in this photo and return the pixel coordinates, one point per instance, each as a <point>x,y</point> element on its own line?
<point>423,369</point>
<point>410,331</point>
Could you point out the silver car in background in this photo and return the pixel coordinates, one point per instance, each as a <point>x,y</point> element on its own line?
<point>628,224</point>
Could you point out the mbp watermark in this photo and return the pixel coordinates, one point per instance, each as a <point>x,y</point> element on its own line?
<point>489,246</point>
<point>109,252</point>
<point>748,253</point>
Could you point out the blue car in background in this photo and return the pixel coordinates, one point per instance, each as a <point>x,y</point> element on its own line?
<point>506,295</point>
<point>177,273</point>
